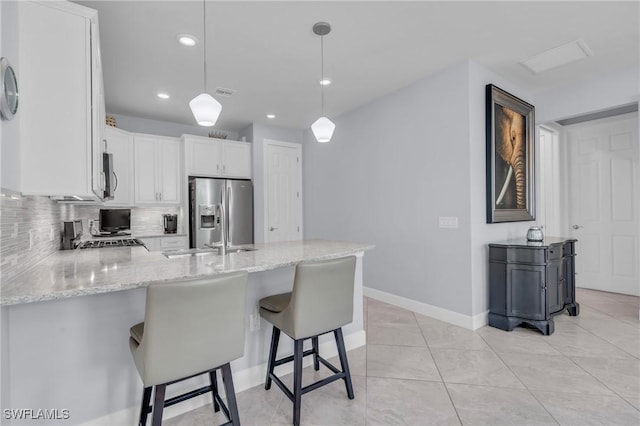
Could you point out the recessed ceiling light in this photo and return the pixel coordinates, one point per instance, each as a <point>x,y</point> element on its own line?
<point>187,40</point>
<point>325,82</point>
<point>558,56</point>
<point>271,116</point>
<point>163,95</point>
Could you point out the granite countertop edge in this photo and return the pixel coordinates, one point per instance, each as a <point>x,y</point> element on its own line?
<point>64,275</point>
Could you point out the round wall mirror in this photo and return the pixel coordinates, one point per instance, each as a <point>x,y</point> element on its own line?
<point>9,93</point>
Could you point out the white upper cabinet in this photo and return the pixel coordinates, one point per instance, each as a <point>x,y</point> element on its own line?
<point>120,144</point>
<point>237,159</point>
<point>61,100</point>
<point>157,170</point>
<point>210,157</point>
<point>203,156</point>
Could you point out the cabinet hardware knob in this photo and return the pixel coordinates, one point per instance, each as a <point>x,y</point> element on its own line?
<point>272,229</point>
<point>577,226</point>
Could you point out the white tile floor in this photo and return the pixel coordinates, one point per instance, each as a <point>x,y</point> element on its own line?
<point>415,370</point>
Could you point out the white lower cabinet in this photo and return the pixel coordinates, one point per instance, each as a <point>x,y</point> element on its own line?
<point>166,243</point>
<point>157,170</point>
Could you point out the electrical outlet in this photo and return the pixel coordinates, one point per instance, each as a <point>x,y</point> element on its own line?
<point>31,238</point>
<point>448,221</point>
<point>52,234</point>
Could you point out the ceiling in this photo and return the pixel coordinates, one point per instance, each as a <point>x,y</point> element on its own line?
<point>266,51</point>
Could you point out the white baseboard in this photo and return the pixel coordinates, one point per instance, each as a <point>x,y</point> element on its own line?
<point>455,318</point>
<point>242,380</point>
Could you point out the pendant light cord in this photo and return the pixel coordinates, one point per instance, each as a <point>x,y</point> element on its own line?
<point>204,26</point>
<point>322,72</point>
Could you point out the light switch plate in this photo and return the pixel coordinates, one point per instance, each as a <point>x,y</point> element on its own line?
<point>448,221</point>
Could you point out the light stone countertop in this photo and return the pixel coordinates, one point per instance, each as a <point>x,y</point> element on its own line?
<point>73,273</point>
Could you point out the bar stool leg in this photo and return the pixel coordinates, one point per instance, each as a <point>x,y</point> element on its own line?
<point>275,338</point>
<point>227,380</point>
<point>144,410</point>
<point>343,362</point>
<point>316,363</point>
<point>158,405</point>
<point>297,380</point>
<point>214,390</point>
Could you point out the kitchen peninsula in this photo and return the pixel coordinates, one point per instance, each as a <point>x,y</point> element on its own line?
<point>65,322</point>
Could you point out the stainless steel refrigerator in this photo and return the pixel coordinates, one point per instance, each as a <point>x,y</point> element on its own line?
<point>220,204</point>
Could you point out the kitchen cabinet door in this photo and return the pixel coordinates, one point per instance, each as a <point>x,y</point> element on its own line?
<point>61,114</point>
<point>145,170</point>
<point>237,159</point>
<point>174,243</point>
<point>211,157</point>
<point>168,185</point>
<point>157,170</point>
<point>120,144</point>
<point>203,156</point>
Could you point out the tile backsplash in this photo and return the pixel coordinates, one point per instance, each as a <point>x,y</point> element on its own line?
<point>29,231</point>
<point>30,227</point>
<point>144,221</point>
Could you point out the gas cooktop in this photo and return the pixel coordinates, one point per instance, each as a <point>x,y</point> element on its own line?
<point>121,242</point>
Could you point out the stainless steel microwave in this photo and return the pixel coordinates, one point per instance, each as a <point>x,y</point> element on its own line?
<point>110,177</point>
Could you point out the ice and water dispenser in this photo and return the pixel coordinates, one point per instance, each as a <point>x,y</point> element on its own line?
<point>208,217</point>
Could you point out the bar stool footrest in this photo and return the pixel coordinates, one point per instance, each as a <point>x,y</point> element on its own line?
<point>337,376</point>
<point>188,395</point>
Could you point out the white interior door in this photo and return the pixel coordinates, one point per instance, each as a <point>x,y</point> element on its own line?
<point>549,206</point>
<point>603,212</point>
<point>283,185</point>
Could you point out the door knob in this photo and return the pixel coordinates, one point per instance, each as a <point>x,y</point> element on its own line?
<point>577,226</point>
<point>272,229</point>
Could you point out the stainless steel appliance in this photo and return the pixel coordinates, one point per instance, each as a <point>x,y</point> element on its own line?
<point>109,176</point>
<point>220,210</point>
<point>170,223</point>
<point>71,233</point>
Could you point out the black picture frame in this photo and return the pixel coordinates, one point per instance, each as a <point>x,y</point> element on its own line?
<point>510,156</point>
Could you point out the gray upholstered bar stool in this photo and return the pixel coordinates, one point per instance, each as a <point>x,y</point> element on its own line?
<point>321,302</point>
<point>190,327</point>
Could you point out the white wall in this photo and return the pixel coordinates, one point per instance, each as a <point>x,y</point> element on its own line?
<point>10,131</point>
<point>483,233</point>
<point>397,164</point>
<point>392,167</point>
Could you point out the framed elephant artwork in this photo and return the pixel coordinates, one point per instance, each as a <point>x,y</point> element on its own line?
<point>510,157</point>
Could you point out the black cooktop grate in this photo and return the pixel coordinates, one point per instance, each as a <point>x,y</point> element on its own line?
<point>121,242</point>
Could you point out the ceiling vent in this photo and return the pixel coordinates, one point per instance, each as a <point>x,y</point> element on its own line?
<point>558,56</point>
<point>226,93</point>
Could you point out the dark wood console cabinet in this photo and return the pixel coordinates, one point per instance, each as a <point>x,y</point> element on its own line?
<point>529,282</point>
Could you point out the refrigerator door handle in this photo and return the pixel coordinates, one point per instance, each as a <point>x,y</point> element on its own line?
<point>221,218</point>
<point>226,218</point>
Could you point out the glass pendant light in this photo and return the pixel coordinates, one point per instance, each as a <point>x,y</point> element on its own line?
<point>204,107</point>
<point>322,128</point>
